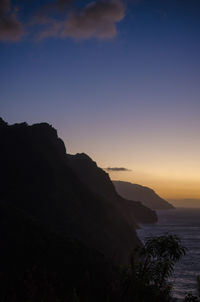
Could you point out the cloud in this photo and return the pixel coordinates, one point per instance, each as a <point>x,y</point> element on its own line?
<point>57,6</point>
<point>95,20</point>
<point>51,27</point>
<point>116,169</point>
<point>4,6</point>
<point>11,29</point>
<point>62,19</point>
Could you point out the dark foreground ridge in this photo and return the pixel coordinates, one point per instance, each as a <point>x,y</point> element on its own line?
<point>57,227</point>
<point>39,265</point>
<point>146,195</point>
<point>38,177</point>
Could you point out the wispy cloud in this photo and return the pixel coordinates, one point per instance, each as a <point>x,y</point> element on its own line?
<point>117,169</point>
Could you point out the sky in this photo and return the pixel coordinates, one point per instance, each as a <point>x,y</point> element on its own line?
<point>119,80</point>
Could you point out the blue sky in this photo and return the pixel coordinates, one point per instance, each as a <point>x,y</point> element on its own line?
<point>127,98</point>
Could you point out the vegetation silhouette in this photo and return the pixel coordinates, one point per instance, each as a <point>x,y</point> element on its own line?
<point>147,278</point>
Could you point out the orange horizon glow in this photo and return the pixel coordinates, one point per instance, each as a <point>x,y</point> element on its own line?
<point>172,172</point>
<point>167,189</point>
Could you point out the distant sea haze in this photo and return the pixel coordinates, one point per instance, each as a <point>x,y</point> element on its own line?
<point>186,224</point>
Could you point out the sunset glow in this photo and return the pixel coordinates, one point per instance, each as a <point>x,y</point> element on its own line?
<point>127,94</point>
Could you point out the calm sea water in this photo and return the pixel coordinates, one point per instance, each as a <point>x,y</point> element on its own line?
<point>186,224</point>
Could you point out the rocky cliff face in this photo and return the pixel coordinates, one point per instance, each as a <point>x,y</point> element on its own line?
<point>38,178</point>
<point>98,181</point>
<point>147,196</point>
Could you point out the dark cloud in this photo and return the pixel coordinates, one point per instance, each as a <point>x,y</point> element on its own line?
<point>116,169</point>
<point>61,4</point>
<point>11,29</point>
<point>62,19</point>
<point>96,20</point>
<point>50,26</point>
<point>57,6</point>
<point>4,6</point>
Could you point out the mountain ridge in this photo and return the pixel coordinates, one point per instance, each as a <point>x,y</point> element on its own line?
<point>143,194</point>
<point>99,182</point>
<point>36,177</point>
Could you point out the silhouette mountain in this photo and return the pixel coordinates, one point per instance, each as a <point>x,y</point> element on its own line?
<point>99,182</point>
<point>37,178</point>
<point>147,196</point>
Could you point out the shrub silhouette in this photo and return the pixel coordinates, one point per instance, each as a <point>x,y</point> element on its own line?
<point>146,279</point>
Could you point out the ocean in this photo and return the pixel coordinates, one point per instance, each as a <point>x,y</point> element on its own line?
<point>186,224</point>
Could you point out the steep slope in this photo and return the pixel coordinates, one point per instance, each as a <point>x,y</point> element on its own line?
<point>144,194</point>
<point>38,265</point>
<point>99,182</point>
<point>36,178</point>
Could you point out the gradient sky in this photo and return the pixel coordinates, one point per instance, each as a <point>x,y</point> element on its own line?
<point>120,81</point>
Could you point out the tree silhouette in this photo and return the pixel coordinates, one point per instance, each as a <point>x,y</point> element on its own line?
<point>152,265</point>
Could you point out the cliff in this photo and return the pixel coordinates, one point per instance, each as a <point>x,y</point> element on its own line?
<point>147,196</point>
<point>98,181</point>
<point>37,178</point>
<point>39,265</point>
